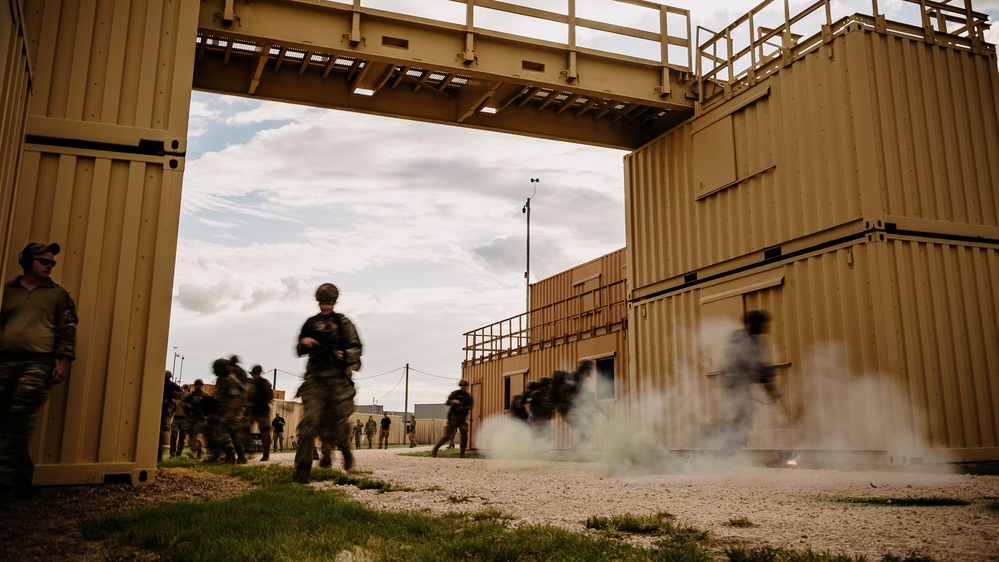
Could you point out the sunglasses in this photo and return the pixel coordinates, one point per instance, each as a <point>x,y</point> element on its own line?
<point>45,261</point>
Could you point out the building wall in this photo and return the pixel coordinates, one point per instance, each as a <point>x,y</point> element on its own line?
<point>576,314</point>
<point>872,127</point>
<point>101,174</point>
<point>15,87</point>
<point>859,204</point>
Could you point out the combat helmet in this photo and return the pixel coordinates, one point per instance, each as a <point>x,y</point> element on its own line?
<point>327,292</point>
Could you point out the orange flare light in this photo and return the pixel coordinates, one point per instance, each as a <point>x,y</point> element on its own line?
<point>792,462</point>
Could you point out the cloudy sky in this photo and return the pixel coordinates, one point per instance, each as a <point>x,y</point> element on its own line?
<point>419,225</point>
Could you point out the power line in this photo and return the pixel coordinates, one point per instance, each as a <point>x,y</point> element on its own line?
<point>375,376</point>
<point>432,375</point>
<point>393,388</point>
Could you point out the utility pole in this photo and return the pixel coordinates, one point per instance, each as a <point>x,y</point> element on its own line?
<point>181,375</point>
<point>405,403</point>
<point>527,211</point>
<point>275,380</point>
<point>174,368</point>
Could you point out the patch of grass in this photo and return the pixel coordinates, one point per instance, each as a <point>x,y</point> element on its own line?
<point>992,506</point>
<point>740,522</point>
<point>902,502</point>
<point>911,557</point>
<point>265,474</point>
<point>292,522</point>
<point>446,454</point>
<point>769,554</point>
<point>656,524</point>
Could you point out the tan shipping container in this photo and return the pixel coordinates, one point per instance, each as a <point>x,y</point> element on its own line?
<point>887,350</point>
<point>874,126</point>
<point>101,174</point>
<point>577,314</point>
<point>15,87</point>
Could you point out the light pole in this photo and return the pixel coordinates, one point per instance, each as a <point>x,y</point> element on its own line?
<point>174,369</point>
<point>527,211</point>
<point>180,376</point>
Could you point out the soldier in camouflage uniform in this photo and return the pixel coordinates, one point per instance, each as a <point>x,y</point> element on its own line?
<point>459,406</point>
<point>178,428</point>
<point>195,406</point>
<point>263,395</point>
<point>171,392</point>
<point>358,431</point>
<point>241,437</point>
<point>226,420</point>
<point>370,428</point>
<point>327,391</point>
<point>37,344</point>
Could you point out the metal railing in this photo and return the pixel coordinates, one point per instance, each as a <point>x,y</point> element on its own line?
<point>745,52</point>
<point>587,313</point>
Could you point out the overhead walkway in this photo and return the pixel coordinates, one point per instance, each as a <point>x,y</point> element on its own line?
<point>479,69</point>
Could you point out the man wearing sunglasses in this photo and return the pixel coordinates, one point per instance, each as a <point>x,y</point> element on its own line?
<point>37,344</point>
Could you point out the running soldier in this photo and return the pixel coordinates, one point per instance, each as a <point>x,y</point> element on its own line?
<point>226,419</point>
<point>263,395</point>
<point>195,406</point>
<point>327,391</point>
<point>178,429</point>
<point>459,406</point>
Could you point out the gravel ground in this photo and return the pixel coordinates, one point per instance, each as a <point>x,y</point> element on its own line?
<point>785,505</point>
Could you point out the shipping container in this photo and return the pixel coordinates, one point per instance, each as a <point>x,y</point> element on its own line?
<point>886,348</point>
<point>577,314</point>
<point>100,173</point>
<point>15,87</point>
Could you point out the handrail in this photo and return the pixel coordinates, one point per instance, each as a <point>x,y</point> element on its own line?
<point>730,71</point>
<point>576,315</point>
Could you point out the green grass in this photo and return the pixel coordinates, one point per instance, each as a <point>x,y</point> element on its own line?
<point>280,520</point>
<point>741,522</point>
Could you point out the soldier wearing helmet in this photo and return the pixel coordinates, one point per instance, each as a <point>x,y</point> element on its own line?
<point>327,392</point>
<point>459,406</point>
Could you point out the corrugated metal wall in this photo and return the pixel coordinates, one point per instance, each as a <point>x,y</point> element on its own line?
<point>886,345</point>
<point>887,127</point>
<point>101,175</point>
<point>864,215</point>
<point>15,85</point>
<point>576,314</point>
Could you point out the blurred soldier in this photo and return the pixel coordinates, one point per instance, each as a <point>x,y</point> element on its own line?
<point>195,406</point>
<point>744,365</point>
<point>327,391</point>
<point>241,436</point>
<point>383,436</point>
<point>178,429</point>
<point>539,406</point>
<point>459,404</point>
<point>226,420</point>
<point>358,431</point>
<point>573,401</point>
<point>411,429</point>
<point>37,344</point>
<point>370,428</point>
<point>263,395</point>
<point>278,426</point>
<point>171,392</point>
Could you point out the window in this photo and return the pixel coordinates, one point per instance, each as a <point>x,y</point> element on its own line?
<point>506,393</point>
<point>605,378</point>
<point>513,384</point>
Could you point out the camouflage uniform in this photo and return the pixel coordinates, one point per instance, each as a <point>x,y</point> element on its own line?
<point>370,429</point>
<point>383,435</point>
<point>358,431</point>
<point>241,436</point>
<point>37,329</point>
<point>226,421</point>
<point>327,391</point>
<point>195,406</point>
<point>263,395</point>
<point>178,429</point>
<point>171,392</point>
<point>460,405</point>
<point>744,365</point>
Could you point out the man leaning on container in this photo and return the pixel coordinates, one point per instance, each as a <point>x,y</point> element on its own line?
<point>37,344</point>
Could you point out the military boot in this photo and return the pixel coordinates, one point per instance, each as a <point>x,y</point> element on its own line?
<point>266,456</point>
<point>433,453</point>
<point>326,461</point>
<point>230,457</point>
<point>348,458</point>
<point>462,455</point>
<point>302,473</point>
